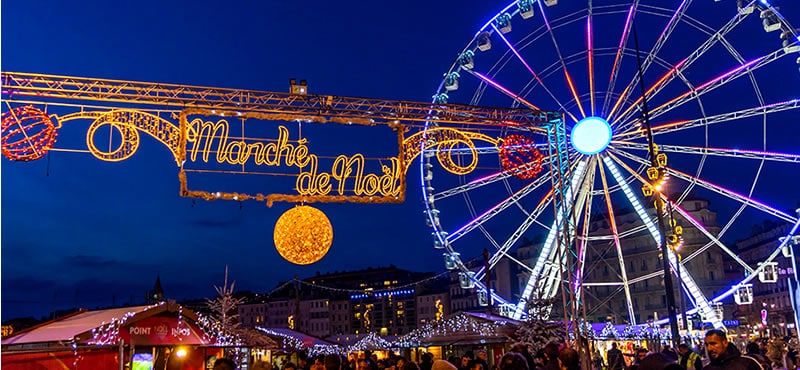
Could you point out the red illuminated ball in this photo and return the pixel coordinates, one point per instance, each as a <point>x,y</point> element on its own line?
<point>519,156</point>
<point>28,133</point>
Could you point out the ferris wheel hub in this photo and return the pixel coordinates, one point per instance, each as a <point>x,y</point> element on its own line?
<point>591,135</point>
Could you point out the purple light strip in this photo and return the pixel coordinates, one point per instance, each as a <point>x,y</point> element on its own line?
<point>737,69</point>
<point>505,90</point>
<point>710,82</point>
<point>589,41</point>
<point>622,39</point>
<point>746,198</point>
<point>514,50</point>
<point>671,20</point>
<point>528,67</point>
<point>714,187</point>
<point>544,16</point>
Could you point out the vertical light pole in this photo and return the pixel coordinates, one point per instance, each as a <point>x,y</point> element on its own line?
<point>669,291</point>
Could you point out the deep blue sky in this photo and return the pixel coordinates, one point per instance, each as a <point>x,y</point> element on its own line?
<point>77,231</point>
<point>92,230</point>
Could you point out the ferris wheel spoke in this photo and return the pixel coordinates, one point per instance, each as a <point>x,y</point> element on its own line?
<point>724,152</point>
<point>716,82</point>
<point>488,180</point>
<point>688,281</point>
<point>716,188</point>
<point>546,275</point>
<point>699,226</point>
<point>626,31</point>
<point>529,220</point>
<point>535,76</point>
<point>502,89</point>
<point>500,207</point>
<point>590,56</point>
<point>568,77</point>
<point>631,108</point>
<point>651,56</point>
<point>719,118</point>
<point>614,231</point>
<point>492,178</point>
<point>604,301</point>
<point>713,40</point>
<point>585,215</point>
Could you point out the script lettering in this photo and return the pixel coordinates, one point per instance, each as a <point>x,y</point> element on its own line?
<point>347,173</point>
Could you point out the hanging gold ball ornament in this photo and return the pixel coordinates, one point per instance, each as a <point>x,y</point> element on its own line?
<point>303,235</point>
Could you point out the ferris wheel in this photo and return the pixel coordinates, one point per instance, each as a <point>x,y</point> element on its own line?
<point>721,121</point>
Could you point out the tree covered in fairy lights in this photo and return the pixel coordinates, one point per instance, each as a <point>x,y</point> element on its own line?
<point>536,330</point>
<point>224,309</point>
<point>224,320</point>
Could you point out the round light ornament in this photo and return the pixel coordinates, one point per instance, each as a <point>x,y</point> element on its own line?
<point>591,135</point>
<point>303,235</point>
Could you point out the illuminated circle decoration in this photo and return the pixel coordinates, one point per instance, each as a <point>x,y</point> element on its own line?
<point>303,235</point>
<point>28,133</point>
<point>519,156</point>
<point>591,135</point>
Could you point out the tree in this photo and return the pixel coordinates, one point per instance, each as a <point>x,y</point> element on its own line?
<point>536,330</point>
<point>224,310</point>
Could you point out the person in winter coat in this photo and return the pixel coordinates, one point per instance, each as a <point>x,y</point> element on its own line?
<point>725,356</point>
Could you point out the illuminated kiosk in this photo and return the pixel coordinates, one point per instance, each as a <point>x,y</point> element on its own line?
<point>146,337</point>
<point>461,332</point>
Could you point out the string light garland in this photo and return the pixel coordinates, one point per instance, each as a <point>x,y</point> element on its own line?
<point>587,330</point>
<point>303,235</point>
<point>519,156</point>
<point>609,331</point>
<point>28,133</point>
<point>370,342</point>
<point>373,292</point>
<point>108,332</point>
<point>215,333</point>
<point>293,344</point>
<point>629,332</point>
<point>460,324</point>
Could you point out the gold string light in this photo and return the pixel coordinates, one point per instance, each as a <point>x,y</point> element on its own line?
<point>303,235</point>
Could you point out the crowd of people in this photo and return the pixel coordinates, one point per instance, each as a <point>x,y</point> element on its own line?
<point>720,354</point>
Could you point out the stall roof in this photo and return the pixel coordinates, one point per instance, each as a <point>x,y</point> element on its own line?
<point>351,339</point>
<point>302,337</point>
<point>462,328</point>
<point>66,328</point>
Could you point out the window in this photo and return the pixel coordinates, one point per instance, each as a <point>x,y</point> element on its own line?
<point>644,264</point>
<point>711,275</point>
<point>632,267</point>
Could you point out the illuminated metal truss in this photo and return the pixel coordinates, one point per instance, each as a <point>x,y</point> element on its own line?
<point>44,89</point>
<point>133,107</point>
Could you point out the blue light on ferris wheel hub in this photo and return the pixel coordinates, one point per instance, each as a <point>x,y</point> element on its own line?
<point>591,135</point>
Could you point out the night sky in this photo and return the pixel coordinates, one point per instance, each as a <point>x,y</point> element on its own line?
<point>77,231</point>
